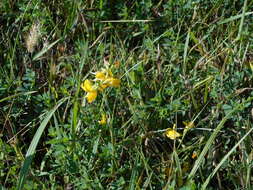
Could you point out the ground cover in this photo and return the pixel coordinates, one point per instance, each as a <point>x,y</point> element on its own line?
<point>126,94</point>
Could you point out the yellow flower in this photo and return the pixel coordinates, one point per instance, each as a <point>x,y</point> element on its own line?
<point>113,82</point>
<point>88,87</point>
<point>102,87</point>
<point>91,96</point>
<point>189,124</point>
<point>172,133</point>
<point>103,74</point>
<point>100,75</point>
<point>103,120</point>
<point>107,79</point>
<point>194,155</point>
<point>108,72</point>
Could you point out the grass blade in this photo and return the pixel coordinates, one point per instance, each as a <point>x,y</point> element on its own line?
<point>2,187</point>
<point>242,20</point>
<point>45,49</point>
<point>33,145</point>
<point>185,51</point>
<point>125,21</point>
<point>212,137</point>
<point>223,160</point>
<point>232,18</point>
<point>133,180</point>
<point>15,95</point>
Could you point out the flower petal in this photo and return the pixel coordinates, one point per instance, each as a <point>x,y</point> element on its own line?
<point>100,75</point>
<point>91,96</point>
<point>172,134</point>
<point>87,86</point>
<point>103,120</point>
<point>189,124</point>
<point>109,73</point>
<point>194,155</point>
<point>113,82</point>
<point>102,87</point>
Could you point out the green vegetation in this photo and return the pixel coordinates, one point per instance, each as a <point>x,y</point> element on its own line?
<point>127,94</point>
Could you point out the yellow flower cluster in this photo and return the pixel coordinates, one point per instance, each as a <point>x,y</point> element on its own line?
<point>103,79</point>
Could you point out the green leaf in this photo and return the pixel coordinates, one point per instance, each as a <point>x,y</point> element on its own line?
<point>232,18</point>
<point>15,95</point>
<point>45,49</point>
<point>33,145</point>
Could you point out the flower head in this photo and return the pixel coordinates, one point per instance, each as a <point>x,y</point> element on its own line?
<point>113,82</point>
<point>188,124</point>
<point>102,87</point>
<point>33,37</point>
<point>103,79</point>
<point>106,78</point>
<point>88,87</point>
<point>103,120</point>
<point>91,96</point>
<point>100,75</point>
<point>103,74</point>
<point>172,133</point>
<point>194,155</point>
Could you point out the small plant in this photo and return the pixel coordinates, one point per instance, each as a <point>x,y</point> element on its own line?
<point>103,79</point>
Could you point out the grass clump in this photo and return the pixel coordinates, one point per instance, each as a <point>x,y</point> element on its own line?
<point>126,95</point>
